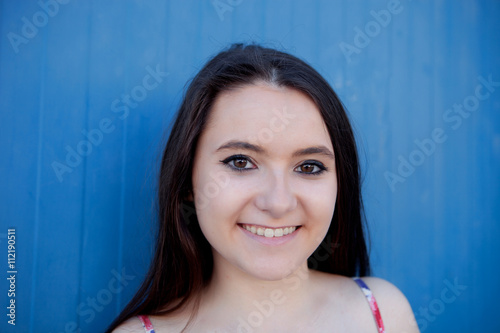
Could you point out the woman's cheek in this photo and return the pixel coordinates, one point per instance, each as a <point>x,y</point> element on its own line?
<point>220,195</point>
<point>318,200</point>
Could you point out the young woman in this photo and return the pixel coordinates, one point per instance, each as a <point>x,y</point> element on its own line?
<point>260,210</point>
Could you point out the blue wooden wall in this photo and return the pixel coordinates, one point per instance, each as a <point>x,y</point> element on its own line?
<point>82,126</point>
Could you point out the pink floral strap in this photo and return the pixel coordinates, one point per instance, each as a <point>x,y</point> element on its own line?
<point>373,304</point>
<point>146,323</point>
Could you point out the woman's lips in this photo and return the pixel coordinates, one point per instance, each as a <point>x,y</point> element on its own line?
<point>269,232</point>
<point>270,236</point>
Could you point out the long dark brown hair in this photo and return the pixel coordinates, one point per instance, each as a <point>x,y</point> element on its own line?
<point>182,263</point>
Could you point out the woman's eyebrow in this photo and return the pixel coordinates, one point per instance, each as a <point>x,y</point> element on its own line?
<point>321,150</point>
<point>241,145</point>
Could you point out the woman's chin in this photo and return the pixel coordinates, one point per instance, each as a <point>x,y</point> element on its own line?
<point>271,272</point>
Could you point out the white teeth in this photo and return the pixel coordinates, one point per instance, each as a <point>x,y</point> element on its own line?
<point>268,232</point>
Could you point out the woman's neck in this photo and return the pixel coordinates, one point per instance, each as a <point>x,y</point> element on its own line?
<point>233,293</point>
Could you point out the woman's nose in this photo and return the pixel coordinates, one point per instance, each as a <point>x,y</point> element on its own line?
<point>276,196</point>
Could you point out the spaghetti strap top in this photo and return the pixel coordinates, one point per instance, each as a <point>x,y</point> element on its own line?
<point>146,323</point>
<point>373,304</point>
<point>148,326</point>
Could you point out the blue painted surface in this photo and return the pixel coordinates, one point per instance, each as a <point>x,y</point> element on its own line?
<point>75,233</point>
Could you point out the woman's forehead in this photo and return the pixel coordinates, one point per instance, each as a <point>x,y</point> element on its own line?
<point>266,115</point>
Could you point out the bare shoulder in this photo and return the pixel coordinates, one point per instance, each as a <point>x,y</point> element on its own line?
<point>131,325</point>
<point>394,307</point>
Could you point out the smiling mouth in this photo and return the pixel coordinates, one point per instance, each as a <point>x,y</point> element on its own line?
<point>269,232</point>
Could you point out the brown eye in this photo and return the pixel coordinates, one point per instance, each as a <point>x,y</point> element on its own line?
<point>311,168</point>
<point>307,168</point>
<point>240,163</point>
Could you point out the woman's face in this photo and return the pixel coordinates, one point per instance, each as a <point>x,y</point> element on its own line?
<point>264,180</point>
